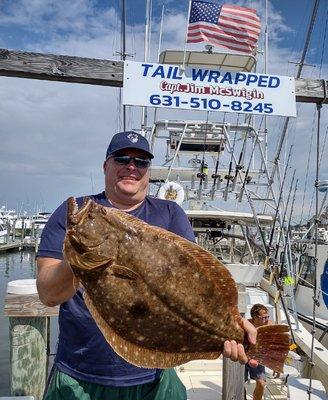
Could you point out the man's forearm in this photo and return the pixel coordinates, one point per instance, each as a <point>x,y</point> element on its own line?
<point>55,281</point>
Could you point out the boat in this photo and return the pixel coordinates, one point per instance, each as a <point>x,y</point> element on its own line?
<point>218,170</point>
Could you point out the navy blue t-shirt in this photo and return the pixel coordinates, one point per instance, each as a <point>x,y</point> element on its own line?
<point>83,352</point>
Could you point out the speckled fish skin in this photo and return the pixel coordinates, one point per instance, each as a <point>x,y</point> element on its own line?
<point>151,288</point>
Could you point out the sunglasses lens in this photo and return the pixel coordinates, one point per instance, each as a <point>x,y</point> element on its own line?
<point>141,162</point>
<point>122,160</point>
<point>138,162</point>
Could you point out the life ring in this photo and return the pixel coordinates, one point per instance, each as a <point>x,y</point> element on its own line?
<point>172,191</point>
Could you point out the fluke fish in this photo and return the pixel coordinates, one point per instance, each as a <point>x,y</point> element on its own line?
<point>158,299</point>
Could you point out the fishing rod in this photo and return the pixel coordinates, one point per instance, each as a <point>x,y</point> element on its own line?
<point>287,243</point>
<point>247,179</point>
<point>298,75</point>
<point>284,215</point>
<point>249,199</point>
<point>289,221</point>
<point>239,167</point>
<point>202,175</point>
<point>229,177</point>
<point>216,176</point>
<point>277,281</point>
<point>278,203</point>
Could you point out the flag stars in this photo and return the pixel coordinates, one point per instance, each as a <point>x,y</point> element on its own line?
<point>206,12</point>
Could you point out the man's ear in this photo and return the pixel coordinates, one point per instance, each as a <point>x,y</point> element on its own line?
<point>104,166</point>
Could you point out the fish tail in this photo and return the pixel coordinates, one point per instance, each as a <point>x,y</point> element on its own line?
<point>272,346</point>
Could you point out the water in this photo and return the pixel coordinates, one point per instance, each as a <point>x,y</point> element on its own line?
<point>14,265</point>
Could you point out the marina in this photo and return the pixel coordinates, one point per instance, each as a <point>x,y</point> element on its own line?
<point>209,116</point>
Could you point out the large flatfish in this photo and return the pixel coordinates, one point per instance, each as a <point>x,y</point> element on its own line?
<point>158,299</point>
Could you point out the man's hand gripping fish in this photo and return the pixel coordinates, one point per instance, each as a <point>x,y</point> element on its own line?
<point>158,299</point>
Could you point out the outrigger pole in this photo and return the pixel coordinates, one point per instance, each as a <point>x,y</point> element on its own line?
<point>298,74</point>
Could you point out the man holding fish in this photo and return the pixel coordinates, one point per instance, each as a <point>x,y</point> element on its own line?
<point>86,367</point>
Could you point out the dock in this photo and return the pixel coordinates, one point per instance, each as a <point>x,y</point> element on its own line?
<point>15,240</point>
<point>14,245</point>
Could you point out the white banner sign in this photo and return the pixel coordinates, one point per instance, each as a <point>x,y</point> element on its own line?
<point>163,85</point>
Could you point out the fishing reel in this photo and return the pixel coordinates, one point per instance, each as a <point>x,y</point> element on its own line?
<point>203,171</point>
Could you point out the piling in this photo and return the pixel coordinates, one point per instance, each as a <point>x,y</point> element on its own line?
<point>233,380</point>
<point>13,234</point>
<point>29,325</point>
<point>28,356</point>
<point>233,372</point>
<point>8,231</point>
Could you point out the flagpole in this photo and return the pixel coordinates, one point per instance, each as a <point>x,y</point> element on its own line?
<point>186,36</point>
<point>146,57</point>
<point>160,35</point>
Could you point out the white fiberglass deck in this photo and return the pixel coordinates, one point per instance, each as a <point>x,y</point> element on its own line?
<point>203,380</point>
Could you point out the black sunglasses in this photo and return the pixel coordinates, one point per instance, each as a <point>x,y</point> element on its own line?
<point>264,317</point>
<point>137,161</point>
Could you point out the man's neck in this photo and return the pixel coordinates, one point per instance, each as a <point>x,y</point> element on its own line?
<point>123,205</point>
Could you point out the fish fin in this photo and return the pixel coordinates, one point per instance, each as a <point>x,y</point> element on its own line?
<point>123,272</point>
<point>272,346</point>
<point>140,356</point>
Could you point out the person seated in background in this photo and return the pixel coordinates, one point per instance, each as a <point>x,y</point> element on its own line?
<point>259,317</point>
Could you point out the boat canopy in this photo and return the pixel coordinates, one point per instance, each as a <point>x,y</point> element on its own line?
<point>227,61</point>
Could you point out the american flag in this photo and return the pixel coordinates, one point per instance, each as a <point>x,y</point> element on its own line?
<point>232,27</point>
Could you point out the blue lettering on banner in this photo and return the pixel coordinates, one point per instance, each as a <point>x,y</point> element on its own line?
<point>211,76</point>
<point>240,78</point>
<point>199,74</point>
<point>146,68</point>
<point>226,78</point>
<point>274,82</point>
<point>159,71</point>
<point>214,76</point>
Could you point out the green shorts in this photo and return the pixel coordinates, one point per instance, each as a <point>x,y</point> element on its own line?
<point>167,387</point>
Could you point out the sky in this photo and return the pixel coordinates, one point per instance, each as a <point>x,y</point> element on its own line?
<point>54,135</point>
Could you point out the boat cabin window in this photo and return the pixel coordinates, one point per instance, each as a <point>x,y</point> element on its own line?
<point>307,270</point>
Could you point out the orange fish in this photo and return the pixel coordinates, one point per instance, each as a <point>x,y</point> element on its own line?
<point>158,299</point>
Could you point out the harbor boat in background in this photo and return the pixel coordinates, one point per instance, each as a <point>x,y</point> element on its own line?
<point>3,229</point>
<point>15,225</point>
<point>219,172</point>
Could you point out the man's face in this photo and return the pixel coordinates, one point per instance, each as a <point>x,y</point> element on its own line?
<point>126,182</point>
<point>262,318</point>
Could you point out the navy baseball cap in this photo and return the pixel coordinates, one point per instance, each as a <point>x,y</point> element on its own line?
<point>128,140</point>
